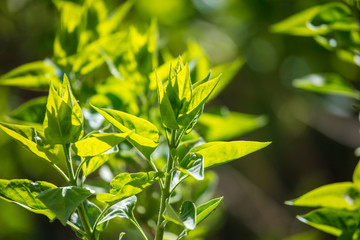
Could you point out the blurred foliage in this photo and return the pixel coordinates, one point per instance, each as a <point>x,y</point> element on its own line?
<point>301,157</point>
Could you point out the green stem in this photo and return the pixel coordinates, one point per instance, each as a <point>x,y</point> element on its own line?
<point>57,168</point>
<point>81,209</point>
<point>100,217</point>
<point>165,192</point>
<point>137,225</point>
<point>67,151</point>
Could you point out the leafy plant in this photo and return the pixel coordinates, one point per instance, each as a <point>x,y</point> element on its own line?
<point>116,106</point>
<point>335,27</point>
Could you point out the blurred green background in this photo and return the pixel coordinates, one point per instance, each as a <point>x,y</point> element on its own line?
<point>314,136</point>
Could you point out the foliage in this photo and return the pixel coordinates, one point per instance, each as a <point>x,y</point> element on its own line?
<point>335,27</point>
<point>104,80</point>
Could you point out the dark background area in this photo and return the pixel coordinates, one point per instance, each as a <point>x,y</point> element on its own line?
<point>313,136</point>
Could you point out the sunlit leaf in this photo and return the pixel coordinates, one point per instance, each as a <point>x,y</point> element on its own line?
<point>97,143</point>
<point>332,221</point>
<point>145,136</point>
<point>337,195</point>
<point>216,153</point>
<point>126,185</point>
<point>23,193</point>
<point>204,210</point>
<point>63,121</point>
<point>33,76</point>
<point>122,209</point>
<point>97,161</point>
<point>29,138</point>
<point>63,201</point>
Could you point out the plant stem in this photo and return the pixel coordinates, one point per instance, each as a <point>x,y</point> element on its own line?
<point>81,209</point>
<point>137,225</point>
<point>165,192</point>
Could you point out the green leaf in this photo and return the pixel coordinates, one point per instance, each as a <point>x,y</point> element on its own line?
<point>64,200</point>
<point>126,185</point>
<point>122,209</point>
<point>29,138</point>
<point>201,92</point>
<point>23,193</point>
<point>356,175</point>
<point>97,161</point>
<point>228,71</point>
<point>97,143</point>
<point>216,153</point>
<point>204,210</point>
<point>63,121</point>
<point>332,221</point>
<point>145,136</point>
<point>228,125</point>
<point>32,111</point>
<point>337,195</point>
<point>329,83</point>
<point>92,212</point>
<point>33,76</point>
<point>186,217</point>
<point>193,164</point>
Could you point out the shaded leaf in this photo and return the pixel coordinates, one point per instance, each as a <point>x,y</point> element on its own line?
<point>92,212</point>
<point>31,111</point>
<point>122,209</point>
<point>332,221</point>
<point>193,164</point>
<point>126,185</point>
<point>216,153</point>
<point>186,217</point>
<point>23,192</point>
<point>329,83</point>
<point>33,76</point>
<point>64,200</point>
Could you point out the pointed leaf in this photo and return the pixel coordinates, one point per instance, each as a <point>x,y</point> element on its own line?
<point>204,210</point>
<point>33,76</point>
<point>23,192</point>
<point>31,111</point>
<point>329,83</point>
<point>186,217</point>
<point>29,138</point>
<point>122,209</point>
<point>145,136</point>
<point>125,185</point>
<point>193,164</point>
<point>97,143</point>
<point>337,195</point>
<point>216,153</point>
<point>332,221</point>
<point>64,200</point>
<point>63,121</point>
<point>98,161</point>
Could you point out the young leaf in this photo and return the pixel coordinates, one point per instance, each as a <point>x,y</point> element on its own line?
<point>23,193</point>
<point>98,161</point>
<point>97,143</point>
<point>63,121</point>
<point>33,76</point>
<point>122,209</point>
<point>219,127</point>
<point>204,210</point>
<point>329,83</point>
<point>125,185</point>
<point>193,164</point>
<point>216,153</point>
<point>145,136</point>
<point>29,138</point>
<point>64,200</point>
<point>337,195</point>
<point>332,221</point>
<point>186,218</point>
